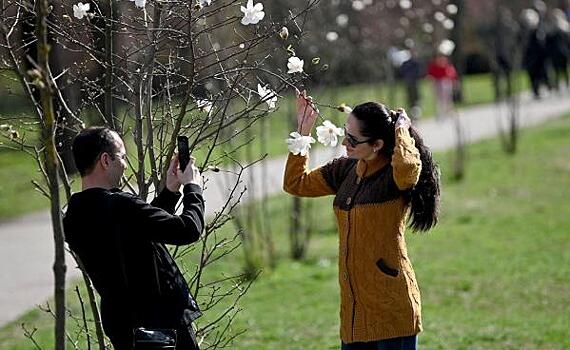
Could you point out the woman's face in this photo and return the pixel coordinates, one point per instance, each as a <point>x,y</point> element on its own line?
<point>356,145</point>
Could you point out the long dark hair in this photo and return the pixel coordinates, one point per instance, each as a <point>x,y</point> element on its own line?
<point>377,122</point>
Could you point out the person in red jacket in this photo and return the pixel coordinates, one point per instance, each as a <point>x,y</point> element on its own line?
<point>444,75</point>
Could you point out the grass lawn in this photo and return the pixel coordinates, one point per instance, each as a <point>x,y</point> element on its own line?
<point>17,196</point>
<point>495,273</point>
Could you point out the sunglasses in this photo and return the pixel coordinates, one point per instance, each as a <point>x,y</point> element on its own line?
<point>353,141</point>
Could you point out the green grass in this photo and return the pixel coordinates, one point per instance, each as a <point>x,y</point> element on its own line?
<point>17,197</point>
<point>495,273</point>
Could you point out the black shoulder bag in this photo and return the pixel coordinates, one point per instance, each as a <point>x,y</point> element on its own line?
<point>145,338</point>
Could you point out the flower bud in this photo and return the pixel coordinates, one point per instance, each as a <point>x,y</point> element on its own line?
<point>284,33</point>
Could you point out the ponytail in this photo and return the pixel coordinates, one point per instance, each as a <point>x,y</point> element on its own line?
<point>424,196</point>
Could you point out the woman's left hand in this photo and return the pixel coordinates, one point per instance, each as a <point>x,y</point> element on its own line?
<point>403,120</point>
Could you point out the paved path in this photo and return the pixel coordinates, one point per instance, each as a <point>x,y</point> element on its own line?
<point>26,249</point>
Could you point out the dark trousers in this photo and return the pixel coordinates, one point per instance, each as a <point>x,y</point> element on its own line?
<point>402,343</point>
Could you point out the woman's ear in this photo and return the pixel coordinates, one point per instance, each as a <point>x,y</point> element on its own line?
<point>378,144</point>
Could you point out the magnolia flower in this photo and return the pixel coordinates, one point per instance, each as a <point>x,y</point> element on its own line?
<point>451,9</point>
<point>328,132</point>
<point>446,47</point>
<point>299,144</point>
<point>295,65</point>
<point>267,95</point>
<point>252,14</point>
<point>204,105</point>
<point>448,24</point>
<point>344,108</point>
<point>332,36</point>
<point>80,10</point>
<point>139,3</point>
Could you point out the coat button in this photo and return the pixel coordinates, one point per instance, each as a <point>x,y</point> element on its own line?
<point>358,180</point>
<point>348,200</point>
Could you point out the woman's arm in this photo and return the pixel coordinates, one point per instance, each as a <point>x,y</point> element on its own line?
<point>406,162</point>
<point>300,181</point>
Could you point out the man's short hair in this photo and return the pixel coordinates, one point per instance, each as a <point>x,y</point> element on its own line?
<point>90,144</point>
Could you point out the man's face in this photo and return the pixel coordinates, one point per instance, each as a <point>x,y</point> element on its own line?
<point>117,163</point>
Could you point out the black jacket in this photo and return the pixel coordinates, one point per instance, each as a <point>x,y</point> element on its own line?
<point>120,240</point>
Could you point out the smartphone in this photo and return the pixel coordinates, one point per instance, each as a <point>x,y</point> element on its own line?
<point>183,152</point>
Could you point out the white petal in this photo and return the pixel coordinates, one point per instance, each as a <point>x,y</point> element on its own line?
<point>258,7</point>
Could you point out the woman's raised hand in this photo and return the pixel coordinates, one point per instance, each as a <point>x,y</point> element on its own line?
<point>307,113</point>
<point>403,120</point>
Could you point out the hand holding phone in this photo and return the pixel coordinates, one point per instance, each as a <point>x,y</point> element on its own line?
<point>183,152</point>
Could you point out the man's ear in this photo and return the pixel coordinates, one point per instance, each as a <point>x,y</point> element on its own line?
<point>105,160</point>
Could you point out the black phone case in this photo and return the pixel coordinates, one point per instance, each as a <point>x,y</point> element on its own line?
<point>183,152</point>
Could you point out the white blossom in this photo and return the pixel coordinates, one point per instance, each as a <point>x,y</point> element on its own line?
<point>439,16</point>
<point>267,95</point>
<point>295,65</point>
<point>204,3</point>
<point>428,28</point>
<point>451,9</point>
<point>80,10</point>
<point>332,36</point>
<point>358,5</point>
<point>446,47</point>
<point>139,3</point>
<point>299,144</point>
<point>204,105</point>
<point>342,20</point>
<point>344,108</point>
<point>252,14</point>
<point>448,24</point>
<point>328,133</point>
<point>405,4</point>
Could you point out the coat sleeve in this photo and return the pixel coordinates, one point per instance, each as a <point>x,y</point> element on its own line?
<point>159,224</point>
<point>406,160</point>
<point>300,181</point>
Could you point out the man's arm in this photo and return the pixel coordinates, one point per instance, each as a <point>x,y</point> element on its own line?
<point>160,225</point>
<point>166,200</point>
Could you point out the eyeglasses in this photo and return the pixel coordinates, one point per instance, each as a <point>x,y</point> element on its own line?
<point>353,141</point>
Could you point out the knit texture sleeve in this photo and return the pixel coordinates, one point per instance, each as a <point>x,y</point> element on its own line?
<point>300,181</point>
<point>406,160</point>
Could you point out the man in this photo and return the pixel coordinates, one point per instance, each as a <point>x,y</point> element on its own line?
<point>120,240</point>
<point>412,72</point>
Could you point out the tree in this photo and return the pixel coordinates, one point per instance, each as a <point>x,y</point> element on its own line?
<point>153,71</point>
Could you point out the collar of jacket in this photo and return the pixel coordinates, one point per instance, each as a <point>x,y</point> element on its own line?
<point>366,168</point>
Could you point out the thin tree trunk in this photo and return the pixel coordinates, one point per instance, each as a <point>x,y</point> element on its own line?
<point>51,164</point>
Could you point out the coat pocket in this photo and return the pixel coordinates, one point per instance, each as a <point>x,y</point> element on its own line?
<point>387,269</point>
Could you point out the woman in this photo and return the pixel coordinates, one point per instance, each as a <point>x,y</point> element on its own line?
<point>388,175</point>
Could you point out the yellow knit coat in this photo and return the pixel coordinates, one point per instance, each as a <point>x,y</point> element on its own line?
<point>380,298</point>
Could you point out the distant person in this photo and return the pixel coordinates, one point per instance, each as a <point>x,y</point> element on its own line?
<point>387,178</point>
<point>444,77</point>
<point>535,56</point>
<point>506,51</point>
<point>558,46</point>
<point>120,239</point>
<point>412,72</point>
